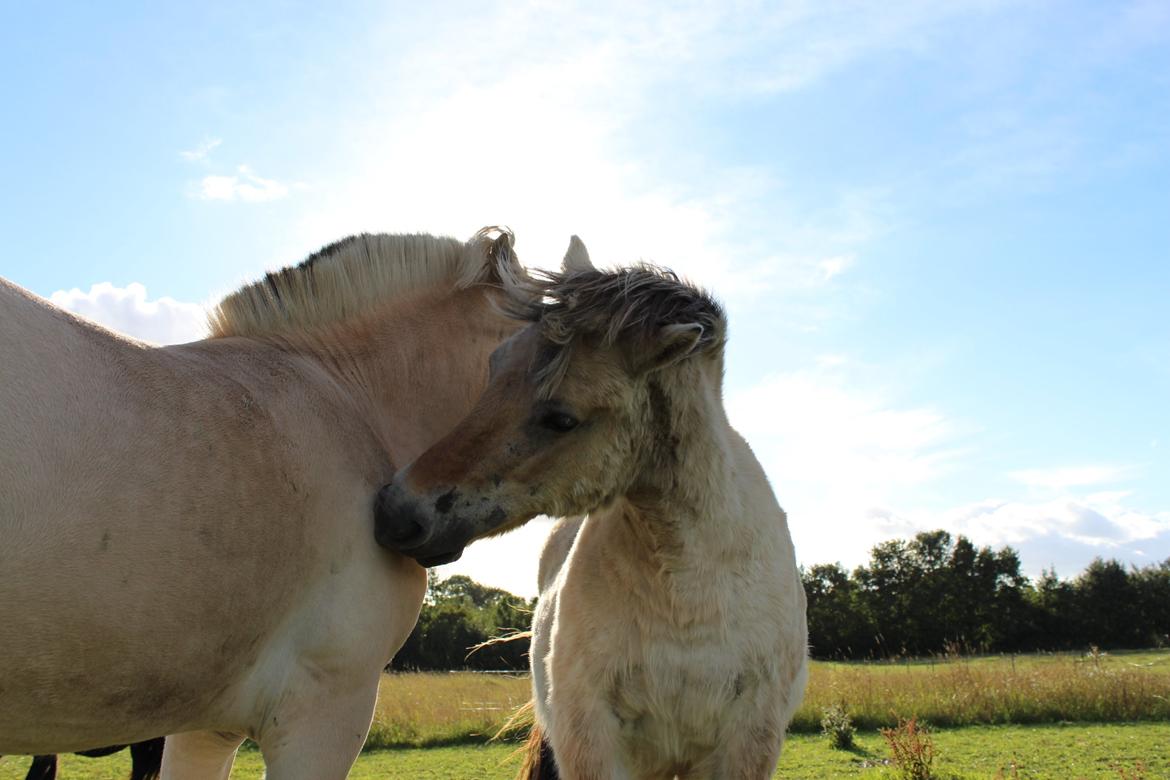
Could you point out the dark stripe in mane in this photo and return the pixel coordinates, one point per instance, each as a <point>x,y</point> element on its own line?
<point>347,277</point>
<point>331,249</point>
<point>274,278</point>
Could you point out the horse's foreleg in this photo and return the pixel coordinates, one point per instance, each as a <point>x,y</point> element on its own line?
<point>752,751</point>
<point>318,738</point>
<point>42,768</point>
<point>199,755</point>
<point>585,745</point>
<point>146,759</point>
<point>754,762</point>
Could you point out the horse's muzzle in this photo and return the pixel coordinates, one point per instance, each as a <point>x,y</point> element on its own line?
<point>398,523</point>
<point>401,525</point>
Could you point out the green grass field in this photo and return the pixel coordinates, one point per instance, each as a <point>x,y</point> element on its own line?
<point>1036,716</point>
<point>426,710</point>
<point>1061,752</point>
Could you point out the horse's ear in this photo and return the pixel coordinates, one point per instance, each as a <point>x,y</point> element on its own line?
<point>577,257</point>
<point>673,343</point>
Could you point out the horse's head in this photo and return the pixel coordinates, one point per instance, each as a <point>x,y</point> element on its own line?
<point>573,413</point>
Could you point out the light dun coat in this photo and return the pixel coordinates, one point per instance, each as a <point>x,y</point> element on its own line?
<point>670,637</point>
<point>185,532</point>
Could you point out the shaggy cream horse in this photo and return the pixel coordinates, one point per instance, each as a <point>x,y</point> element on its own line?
<point>670,637</point>
<point>185,531</point>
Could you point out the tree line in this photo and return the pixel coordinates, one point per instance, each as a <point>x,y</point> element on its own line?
<point>931,594</point>
<point>934,593</point>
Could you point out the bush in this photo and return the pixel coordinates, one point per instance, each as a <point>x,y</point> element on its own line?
<point>838,727</point>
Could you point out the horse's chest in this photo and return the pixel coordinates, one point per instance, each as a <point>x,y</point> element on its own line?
<point>677,714</point>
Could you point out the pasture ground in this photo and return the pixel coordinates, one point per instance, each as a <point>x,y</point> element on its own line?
<point>1129,751</point>
<point>1034,716</point>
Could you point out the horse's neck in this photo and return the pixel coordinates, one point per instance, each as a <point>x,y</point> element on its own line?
<point>415,369</point>
<point>689,473</point>
<point>684,519</point>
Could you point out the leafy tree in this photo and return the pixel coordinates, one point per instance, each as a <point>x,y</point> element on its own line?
<point>838,625</point>
<point>460,614</point>
<point>1152,589</point>
<point>1106,602</point>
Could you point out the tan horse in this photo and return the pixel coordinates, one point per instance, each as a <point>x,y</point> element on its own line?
<point>185,531</point>
<point>670,637</point>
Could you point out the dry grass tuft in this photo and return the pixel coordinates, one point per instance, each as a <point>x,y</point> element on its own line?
<point>911,749</point>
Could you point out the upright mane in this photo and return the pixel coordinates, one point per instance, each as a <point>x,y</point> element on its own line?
<point>351,276</point>
<point>629,304</point>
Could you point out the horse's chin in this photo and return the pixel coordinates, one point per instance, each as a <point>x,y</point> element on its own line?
<point>439,560</point>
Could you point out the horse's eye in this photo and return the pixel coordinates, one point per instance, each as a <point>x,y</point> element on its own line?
<point>559,422</point>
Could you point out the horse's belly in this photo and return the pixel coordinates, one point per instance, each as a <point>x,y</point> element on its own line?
<point>87,660</point>
<point>84,708</point>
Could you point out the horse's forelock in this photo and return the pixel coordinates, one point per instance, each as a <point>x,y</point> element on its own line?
<point>630,305</point>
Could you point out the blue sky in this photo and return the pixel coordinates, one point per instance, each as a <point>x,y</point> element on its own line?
<point>941,229</point>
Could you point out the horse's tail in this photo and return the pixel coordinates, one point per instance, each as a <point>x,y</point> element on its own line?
<point>538,758</point>
<point>536,753</point>
<point>146,759</point>
<point>503,639</point>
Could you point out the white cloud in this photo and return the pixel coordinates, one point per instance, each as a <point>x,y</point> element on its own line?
<point>831,361</point>
<point>547,169</point>
<point>245,186</point>
<point>835,451</point>
<point>541,140</point>
<point>1099,519</point>
<point>818,428</point>
<point>200,152</point>
<point>768,48</point>
<point>1067,532</point>
<point>127,310</point>
<point>1069,477</point>
<point>833,266</point>
<point>750,48</point>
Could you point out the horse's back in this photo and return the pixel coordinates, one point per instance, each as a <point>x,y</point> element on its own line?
<point>53,370</point>
<point>60,432</point>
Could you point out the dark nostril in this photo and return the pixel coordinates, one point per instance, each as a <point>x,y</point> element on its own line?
<point>398,523</point>
<point>399,532</point>
<point>405,530</point>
